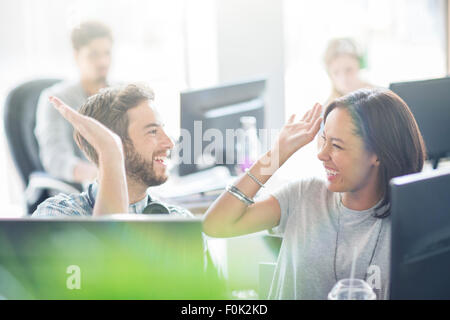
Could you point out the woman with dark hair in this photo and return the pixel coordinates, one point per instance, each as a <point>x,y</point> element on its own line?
<point>369,137</point>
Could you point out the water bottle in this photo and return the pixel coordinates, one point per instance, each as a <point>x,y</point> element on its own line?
<point>248,146</point>
<point>352,289</point>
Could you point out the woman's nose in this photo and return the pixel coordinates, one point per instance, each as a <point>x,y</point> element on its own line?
<point>323,154</point>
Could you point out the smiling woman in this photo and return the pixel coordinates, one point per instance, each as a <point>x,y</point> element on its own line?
<point>369,137</point>
<point>386,133</point>
<point>348,165</point>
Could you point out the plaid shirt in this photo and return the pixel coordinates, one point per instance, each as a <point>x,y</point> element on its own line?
<point>82,204</point>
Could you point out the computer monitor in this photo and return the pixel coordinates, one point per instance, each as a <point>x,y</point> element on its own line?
<point>218,108</point>
<point>429,101</point>
<point>140,257</point>
<point>420,255</point>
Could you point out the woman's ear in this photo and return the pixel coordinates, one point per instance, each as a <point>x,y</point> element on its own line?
<point>375,161</point>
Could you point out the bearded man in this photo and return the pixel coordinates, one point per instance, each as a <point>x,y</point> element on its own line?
<point>119,131</point>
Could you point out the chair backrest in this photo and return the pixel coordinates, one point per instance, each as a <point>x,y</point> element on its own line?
<point>19,120</point>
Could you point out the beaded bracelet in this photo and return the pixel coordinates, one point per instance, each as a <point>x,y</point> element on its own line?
<point>247,171</point>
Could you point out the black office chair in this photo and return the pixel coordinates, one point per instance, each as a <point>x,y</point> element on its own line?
<point>19,119</point>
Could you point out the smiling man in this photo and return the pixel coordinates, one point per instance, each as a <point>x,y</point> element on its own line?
<point>126,138</point>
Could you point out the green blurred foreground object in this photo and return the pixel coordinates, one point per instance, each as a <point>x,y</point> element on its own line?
<point>157,257</point>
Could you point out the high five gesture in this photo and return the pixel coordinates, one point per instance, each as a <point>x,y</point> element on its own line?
<point>112,196</point>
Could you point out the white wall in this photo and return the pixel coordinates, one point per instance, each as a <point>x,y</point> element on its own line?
<point>250,44</point>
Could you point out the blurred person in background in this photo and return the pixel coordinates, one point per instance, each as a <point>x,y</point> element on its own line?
<point>92,43</point>
<point>343,63</point>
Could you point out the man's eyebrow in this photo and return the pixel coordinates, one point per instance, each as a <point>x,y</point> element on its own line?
<point>151,125</point>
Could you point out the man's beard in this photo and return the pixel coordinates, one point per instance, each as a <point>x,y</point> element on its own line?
<point>140,169</point>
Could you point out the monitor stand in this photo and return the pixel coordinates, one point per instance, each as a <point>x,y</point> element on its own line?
<point>441,161</point>
<point>435,162</point>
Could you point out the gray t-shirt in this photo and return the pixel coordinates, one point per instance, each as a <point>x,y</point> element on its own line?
<point>57,148</point>
<point>313,220</point>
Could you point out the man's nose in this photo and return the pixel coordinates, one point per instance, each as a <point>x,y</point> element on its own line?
<point>167,141</point>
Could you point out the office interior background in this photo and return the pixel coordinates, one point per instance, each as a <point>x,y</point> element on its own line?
<point>179,45</point>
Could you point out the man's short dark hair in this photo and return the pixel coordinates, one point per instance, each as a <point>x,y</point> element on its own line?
<point>109,106</point>
<point>87,31</point>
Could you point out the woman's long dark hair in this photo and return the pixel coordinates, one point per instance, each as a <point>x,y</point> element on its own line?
<point>388,128</point>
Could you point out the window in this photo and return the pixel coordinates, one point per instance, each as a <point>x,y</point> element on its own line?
<point>148,46</point>
<point>400,39</point>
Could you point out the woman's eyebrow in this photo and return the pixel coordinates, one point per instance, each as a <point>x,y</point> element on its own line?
<point>337,139</point>
<point>333,138</point>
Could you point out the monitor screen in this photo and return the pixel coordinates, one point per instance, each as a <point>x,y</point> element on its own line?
<point>219,108</point>
<point>429,101</point>
<point>420,255</point>
<point>128,258</point>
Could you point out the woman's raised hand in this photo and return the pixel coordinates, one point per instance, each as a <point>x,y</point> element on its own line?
<point>296,134</point>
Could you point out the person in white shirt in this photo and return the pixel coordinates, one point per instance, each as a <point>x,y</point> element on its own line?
<point>60,156</point>
<point>369,137</point>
